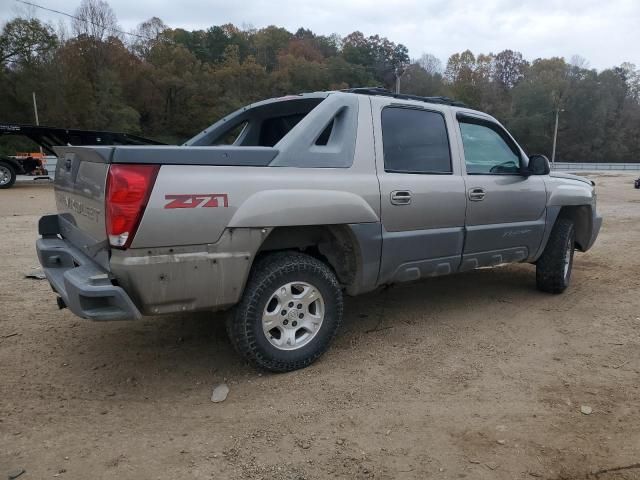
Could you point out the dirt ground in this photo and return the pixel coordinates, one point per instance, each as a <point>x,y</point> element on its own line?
<point>475,376</point>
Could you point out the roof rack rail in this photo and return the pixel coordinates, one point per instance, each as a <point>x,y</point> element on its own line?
<point>383,92</point>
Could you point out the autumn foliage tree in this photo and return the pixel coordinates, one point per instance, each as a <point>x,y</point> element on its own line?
<point>170,83</point>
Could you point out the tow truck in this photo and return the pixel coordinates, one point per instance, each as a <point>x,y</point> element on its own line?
<point>34,164</point>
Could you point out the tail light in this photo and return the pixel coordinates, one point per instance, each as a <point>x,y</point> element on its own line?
<point>128,191</point>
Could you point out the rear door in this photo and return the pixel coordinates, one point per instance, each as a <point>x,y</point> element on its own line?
<point>422,190</point>
<point>505,210</point>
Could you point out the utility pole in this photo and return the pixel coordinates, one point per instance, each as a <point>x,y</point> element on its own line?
<point>399,72</point>
<point>35,111</point>
<point>555,136</point>
<point>35,108</point>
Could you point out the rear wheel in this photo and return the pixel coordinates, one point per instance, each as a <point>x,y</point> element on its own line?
<point>289,313</point>
<point>553,268</point>
<point>7,175</point>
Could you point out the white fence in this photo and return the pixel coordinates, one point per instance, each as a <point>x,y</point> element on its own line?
<point>572,167</point>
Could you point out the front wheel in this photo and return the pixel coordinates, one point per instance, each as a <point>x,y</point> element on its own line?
<point>553,268</point>
<point>289,313</point>
<point>7,175</point>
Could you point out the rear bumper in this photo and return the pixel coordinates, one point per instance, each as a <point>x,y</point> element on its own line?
<point>84,286</point>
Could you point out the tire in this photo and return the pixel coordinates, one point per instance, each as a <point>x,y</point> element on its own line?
<point>7,175</point>
<point>289,313</point>
<point>553,268</point>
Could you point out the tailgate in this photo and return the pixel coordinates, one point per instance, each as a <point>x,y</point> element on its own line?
<point>80,183</point>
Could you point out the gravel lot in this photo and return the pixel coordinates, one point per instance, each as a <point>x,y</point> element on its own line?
<point>475,376</point>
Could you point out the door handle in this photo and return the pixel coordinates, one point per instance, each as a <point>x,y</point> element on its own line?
<point>476,194</point>
<point>401,197</point>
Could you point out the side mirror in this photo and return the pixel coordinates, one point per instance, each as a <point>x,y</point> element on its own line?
<point>538,165</point>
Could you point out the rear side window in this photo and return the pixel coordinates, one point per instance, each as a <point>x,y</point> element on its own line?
<point>415,141</point>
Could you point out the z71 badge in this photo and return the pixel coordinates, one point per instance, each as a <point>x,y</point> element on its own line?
<point>208,200</point>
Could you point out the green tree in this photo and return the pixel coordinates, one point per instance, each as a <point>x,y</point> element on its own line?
<point>509,68</point>
<point>419,81</point>
<point>536,98</point>
<point>380,56</point>
<point>25,41</point>
<point>268,43</point>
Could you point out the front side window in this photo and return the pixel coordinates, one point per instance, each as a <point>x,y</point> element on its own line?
<point>415,141</point>
<point>486,151</point>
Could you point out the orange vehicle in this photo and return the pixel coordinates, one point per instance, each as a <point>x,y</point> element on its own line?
<point>32,164</point>
<point>37,163</point>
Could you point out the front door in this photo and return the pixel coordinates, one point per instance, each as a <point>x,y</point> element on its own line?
<point>422,191</point>
<point>505,210</point>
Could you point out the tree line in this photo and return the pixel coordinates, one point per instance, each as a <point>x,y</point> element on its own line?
<point>169,83</point>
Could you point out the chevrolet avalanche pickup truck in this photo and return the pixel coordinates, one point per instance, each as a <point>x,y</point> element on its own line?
<point>282,207</point>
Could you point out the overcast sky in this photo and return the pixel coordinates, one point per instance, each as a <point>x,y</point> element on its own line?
<point>604,32</point>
